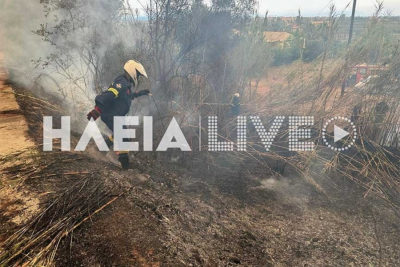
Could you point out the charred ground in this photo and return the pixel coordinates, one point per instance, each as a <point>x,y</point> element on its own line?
<point>185,213</point>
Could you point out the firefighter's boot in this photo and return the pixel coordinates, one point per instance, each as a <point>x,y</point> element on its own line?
<point>123,158</point>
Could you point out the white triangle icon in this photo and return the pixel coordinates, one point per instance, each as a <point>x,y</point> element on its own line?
<point>339,133</point>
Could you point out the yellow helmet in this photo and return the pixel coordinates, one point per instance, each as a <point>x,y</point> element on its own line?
<point>131,67</point>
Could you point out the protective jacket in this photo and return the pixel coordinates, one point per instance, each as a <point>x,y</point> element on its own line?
<point>235,106</point>
<point>116,100</point>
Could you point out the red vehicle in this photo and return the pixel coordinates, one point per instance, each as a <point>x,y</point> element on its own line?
<point>363,71</point>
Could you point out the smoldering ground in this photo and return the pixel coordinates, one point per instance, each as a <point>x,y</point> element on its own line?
<point>199,208</point>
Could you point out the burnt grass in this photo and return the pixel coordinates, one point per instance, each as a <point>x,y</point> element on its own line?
<point>196,214</point>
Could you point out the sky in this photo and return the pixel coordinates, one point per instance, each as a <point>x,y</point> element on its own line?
<point>313,7</point>
<point>321,7</point>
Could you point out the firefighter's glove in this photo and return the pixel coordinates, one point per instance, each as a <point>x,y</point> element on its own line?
<point>144,92</point>
<point>95,114</point>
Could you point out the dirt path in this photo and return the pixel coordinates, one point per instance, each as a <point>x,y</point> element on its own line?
<point>13,126</point>
<point>16,204</point>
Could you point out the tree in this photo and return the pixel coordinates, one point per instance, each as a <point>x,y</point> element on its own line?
<point>80,35</point>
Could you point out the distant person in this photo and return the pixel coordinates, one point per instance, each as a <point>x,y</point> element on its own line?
<point>355,116</point>
<point>116,101</point>
<point>235,103</point>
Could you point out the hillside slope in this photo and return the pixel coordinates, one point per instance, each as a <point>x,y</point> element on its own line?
<point>91,213</point>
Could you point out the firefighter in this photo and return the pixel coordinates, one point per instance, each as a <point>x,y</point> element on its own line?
<point>235,104</point>
<point>116,101</point>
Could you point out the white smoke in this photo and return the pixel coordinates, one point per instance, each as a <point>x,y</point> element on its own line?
<point>77,55</point>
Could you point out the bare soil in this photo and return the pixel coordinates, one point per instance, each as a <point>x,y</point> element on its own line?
<point>13,127</point>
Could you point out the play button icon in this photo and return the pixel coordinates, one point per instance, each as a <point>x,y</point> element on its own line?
<point>339,133</point>
<point>331,135</point>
